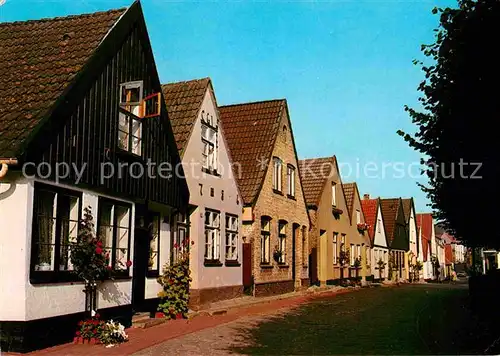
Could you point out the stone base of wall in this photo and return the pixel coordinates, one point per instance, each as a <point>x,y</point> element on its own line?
<point>305,282</point>
<point>273,288</point>
<point>199,298</point>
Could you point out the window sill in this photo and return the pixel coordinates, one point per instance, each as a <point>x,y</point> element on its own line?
<point>212,172</point>
<point>279,192</point>
<point>212,263</point>
<point>283,265</point>
<point>232,263</point>
<point>266,266</point>
<point>292,197</point>
<point>52,277</point>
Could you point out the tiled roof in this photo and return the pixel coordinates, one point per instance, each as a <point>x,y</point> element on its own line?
<point>183,100</point>
<point>251,130</point>
<point>407,204</point>
<point>349,191</point>
<point>424,223</point>
<point>389,212</point>
<point>314,172</point>
<point>370,207</point>
<point>38,60</point>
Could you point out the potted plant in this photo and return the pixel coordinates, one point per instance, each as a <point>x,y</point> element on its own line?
<point>362,227</point>
<point>277,254</point>
<point>418,267</point>
<point>381,267</point>
<point>357,266</point>
<point>343,261</point>
<point>336,212</point>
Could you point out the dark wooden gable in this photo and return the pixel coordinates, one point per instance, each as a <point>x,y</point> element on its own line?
<point>83,127</point>
<point>401,239</point>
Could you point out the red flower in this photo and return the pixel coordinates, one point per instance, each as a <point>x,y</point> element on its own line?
<point>109,268</point>
<point>99,243</point>
<point>129,263</point>
<point>78,333</point>
<point>97,315</point>
<point>98,250</point>
<point>175,245</point>
<point>80,323</point>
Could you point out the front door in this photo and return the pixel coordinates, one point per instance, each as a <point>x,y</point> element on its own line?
<point>140,266</point>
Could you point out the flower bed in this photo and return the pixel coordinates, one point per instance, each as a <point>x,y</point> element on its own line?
<point>96,331</point>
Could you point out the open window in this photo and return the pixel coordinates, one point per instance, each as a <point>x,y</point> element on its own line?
<point>151,106</point>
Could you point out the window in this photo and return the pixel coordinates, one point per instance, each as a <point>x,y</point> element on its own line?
<point>277,171</point>
<point>129,122</point>
<point>265,241</point>
<point>379,222</point>
<point>209,142</point>
<point>212,225</point>
<point>358,250</point>
<point>368,257</point>
<point>335,252</point>
<point>180,236</point>
<point>334,194</point>
<point>113,224</point>
<point>282,241</point>
<point>358,216</point>
<point>342,243</point>
<point>290,178</point>
<point>56,214</point>
<point>352,252</point>
<point>231,237</point>
<point>305,258</point>
<point>154,245</point>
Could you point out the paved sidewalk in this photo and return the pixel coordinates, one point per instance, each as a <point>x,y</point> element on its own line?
<point>140,339</point>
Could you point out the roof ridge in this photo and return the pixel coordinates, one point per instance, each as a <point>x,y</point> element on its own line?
<point>187,81</point>
<point>253,102</point>
<point>317,158</point>
<point>61,18</point>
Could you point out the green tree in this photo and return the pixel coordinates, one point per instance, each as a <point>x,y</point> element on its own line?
<point>457,119</point>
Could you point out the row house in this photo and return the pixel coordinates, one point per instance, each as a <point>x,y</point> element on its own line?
<point>334,243</point>
<point>82,93</point>
<point>275,222</point>
<point>425,223</point>
<point>412,230</point>
<point>397,236</point>
<point>378,240</point>
<point>215,203</point>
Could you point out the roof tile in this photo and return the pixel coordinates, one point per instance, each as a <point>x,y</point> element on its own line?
<point>314,172</point>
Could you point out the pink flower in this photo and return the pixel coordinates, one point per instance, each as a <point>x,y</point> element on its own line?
<point>78,333</point>
<point>98,250</point>
<point>129,263</point>
<point>99,243</point>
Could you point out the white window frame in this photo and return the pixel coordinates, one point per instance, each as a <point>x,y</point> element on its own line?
<point>379,222</point>
<point>290,177</point>
<point>282,227</point>
<point>351,254</point>
<point>212,235</point>
<point>277,173</point>
<point>209,135</point>
<point>334,194</point>
<point>335,247</point>
<point>265,241</point>
<point>231,237</point>
<point>358,216</point>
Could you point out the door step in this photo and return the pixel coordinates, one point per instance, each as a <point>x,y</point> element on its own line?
<point>144,321</point>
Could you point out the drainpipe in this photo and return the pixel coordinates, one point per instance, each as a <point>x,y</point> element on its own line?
<point>4,165</point>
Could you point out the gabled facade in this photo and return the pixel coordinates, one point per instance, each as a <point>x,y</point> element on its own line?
<point>397,237</point>
<point>412,230</point>
<point>376,231</point>
<point>216,205</point>
<point>360,240</point>
<point>330,231</point>
<point>87,100</point>
<point>426,230</point>
<point>275,221</point>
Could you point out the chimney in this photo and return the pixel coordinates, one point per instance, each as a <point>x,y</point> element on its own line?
<point>366,196</point>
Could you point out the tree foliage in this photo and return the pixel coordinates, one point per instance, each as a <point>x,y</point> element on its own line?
<point>457,119</point>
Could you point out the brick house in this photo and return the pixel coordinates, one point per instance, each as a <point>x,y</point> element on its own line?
<point>275,221</point>
<point>359,240</point>
<point>397,236</point>
<point>86,95</point>
<point>215,204</point>
<point>331,231</point>
<point>376,231</point>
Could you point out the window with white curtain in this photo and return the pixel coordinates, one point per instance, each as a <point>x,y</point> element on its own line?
<point>265,241</point>
<point>231,237</point>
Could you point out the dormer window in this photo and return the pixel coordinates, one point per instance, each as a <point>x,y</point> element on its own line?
<point>129,122</point>
<point>209,141</point>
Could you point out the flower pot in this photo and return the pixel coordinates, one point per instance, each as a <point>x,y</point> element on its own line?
<point>159,315</point>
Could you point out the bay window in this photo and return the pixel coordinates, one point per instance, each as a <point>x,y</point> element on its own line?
<point>231,237</point>
<point>114,228</point>
<point>212,226</point>
<point>56,215</point>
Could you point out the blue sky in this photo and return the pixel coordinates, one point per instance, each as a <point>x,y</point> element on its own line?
<point>345,68</point>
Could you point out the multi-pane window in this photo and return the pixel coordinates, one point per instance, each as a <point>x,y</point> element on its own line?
<point>352,256</point>
<point>282,241</point>
<point>277,172</point>
<point>334,194</point>
<point>129,121</point>
<point>154,245</point>
<point>55,227</point>
<point>335,252</point>
<point>209,142</point>
<point>379,223</point>
<point>358,252</point>
<point>180,236</point>
<point>358,216</point>
<point>342,242</point>
<point>114,231</point>
<point>231,237</point>
<point>265,241</point>
<point>212,227</point>
<point>290,178</point>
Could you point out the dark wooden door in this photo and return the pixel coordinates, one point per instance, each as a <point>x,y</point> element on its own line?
<point>140,267</point>
<point>313,266</point>
<point>247,265</point>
